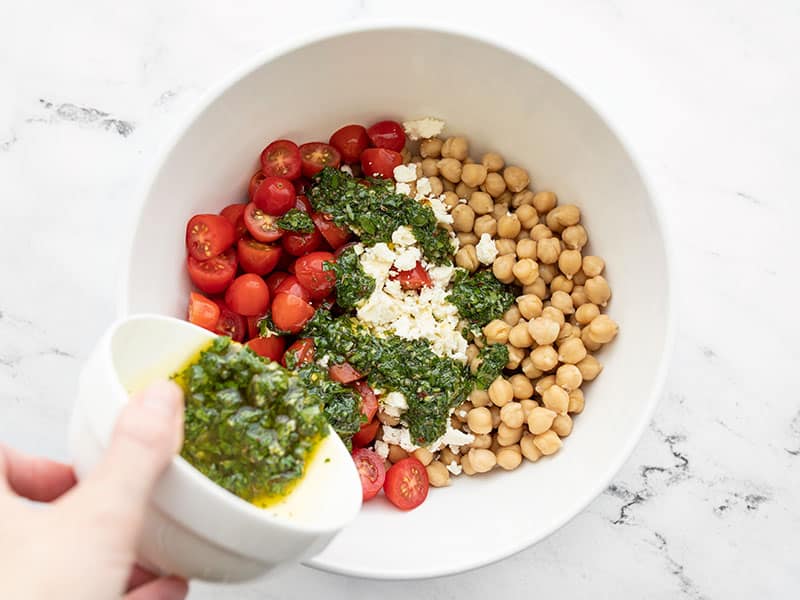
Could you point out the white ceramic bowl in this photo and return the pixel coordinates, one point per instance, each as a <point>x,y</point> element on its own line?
<point>502,101</point>
<point>193,527</point>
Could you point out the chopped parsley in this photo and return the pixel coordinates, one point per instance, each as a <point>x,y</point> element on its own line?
<point>371,208</point>
<point>342,405</point>
<point>352,283</point>
<point>493,360</point>
<point>296,220</point>
<point>480,297</point>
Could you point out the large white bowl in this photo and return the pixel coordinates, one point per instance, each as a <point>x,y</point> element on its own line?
<point>502,101</point>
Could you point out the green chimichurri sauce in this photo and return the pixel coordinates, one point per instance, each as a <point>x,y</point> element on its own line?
<point>480,297</point>
<point>352,283</point>
<point>296,220</point>
<point>493,360</point>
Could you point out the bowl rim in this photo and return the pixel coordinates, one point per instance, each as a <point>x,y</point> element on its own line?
<point>491,39</point>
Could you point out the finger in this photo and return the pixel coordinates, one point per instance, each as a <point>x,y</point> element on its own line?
<point>33,477</point>
<point>139,576</point>
<point>163,588</point>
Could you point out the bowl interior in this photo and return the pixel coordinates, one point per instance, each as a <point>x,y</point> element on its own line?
<point>501,102</point>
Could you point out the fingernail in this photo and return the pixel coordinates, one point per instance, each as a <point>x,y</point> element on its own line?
<point>164,397</point>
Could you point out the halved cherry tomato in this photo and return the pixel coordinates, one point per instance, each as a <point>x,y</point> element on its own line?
<point>252,325</point>
<point>369,401</point>
<point>366,434</point>
<point>302,203</point>
<point>327,303</point>
<point>372,472</point>
<point>275,196</point>
<point>312,274</point>
<point>302,350</point>
<point>291,285</point>
<point>255,181</point>
<point>258,258</point>
<point>208,236</point>
<point>380,162</point>
<point>202,311</point>
<point>336,236</point>
<point>290,313</point>
<point>406,483</point>
<point>318,155</point>
<point>269,347</point>
<point>214,275</point>
<point>231,324</point>
<point>248,295</point>
<point>387,134</point>
<point>281,159</point>
<point>340,250</point>
<point>350,141</point>
<point>235,214</point>
<point>344,373</point>
<point>415,278</point>
<point>274,280</point>
<point>261,226</point>
<point>297,243</point>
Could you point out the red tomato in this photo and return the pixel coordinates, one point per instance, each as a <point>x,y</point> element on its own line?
<point>292,286</point>
<point>340,250</point>
<point>336,236</point>
<point>302,203</point>
<point>281,159</point>
<point>274,280</point>
<point>387,134</point>
<point>202,311</point>
<point>318,155</point>
<point>252,325</point>
<point>297,243</point>
<point>275,196</point>
<point>214,275</point>
<point>350,141</point>
<point>369,402</point>
<point>208,236</point>
<point>235,214</point>
<point>258,258</point>
<point>380,162</point>
<point>269,347</point>
<point>372,472</point>
<point>327,303</point>
<point>290,313</point>
<point>301,185</point>
<point>231,324</point>
<point>365,435</point>
<point>406,484</point>
<point>312,274</point>
<point>261,225</point>
<point>343,373</point>
<point>248,295</point>
<point>255,181</point>
<point>303,351</point>
<point>415,278</point>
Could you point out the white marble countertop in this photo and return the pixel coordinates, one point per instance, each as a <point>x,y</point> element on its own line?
<point>707,93</point>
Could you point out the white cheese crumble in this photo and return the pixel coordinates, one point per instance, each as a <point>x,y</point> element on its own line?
<point>403,236</point>
<point>405,173</point>
<point>453,467</point>
<point>440,210</point>
<point>403,188</point>
<point>399,436</point>
<point>407,258</point>
<point>486,249</point>
<point>426,127</point>
<point>346,169</point>
<point>423,187</point>
<point>453,438</point>
<point>382,449</point>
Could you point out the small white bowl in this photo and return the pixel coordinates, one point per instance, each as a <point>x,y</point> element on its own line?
<point>503,101</point>
<point>193,527</point>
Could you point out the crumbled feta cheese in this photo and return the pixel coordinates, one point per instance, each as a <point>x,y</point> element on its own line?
<point>324,360</point>
<point>423,188</point>
<point>346,169</point>
<point>405,173</point>
<point>403,236</point>
<point>453,467</point>
<point>441,276</point>
<point>399,436</point>
<point>402,188</point>
<point>426,127</point>
<point>452,437</point>
<point>407,258</point>
<point>486,249</point>
<point>396,399</point>
<point>440,210</point>
<point>382,449</point>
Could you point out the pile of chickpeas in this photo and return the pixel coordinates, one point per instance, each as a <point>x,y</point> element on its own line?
<point>550,331</point>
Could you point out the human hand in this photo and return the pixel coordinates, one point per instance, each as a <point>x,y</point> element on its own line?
<point>82,544</point>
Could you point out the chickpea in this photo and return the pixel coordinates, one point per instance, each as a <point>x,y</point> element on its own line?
<point>523,197</point>
<point>455,147</point>
<point>561,284</point>
<point>485,224</point>
<point>482,460</point>
<point>396,453</point>
<point>589,367</point>
<point>499,211</point>
<point>569,377</point>
<point>501,392</point>
<point>552,313</point>
<point>597,290</point>
<point>548,442</point>
<point>545,201</point>
<point>519,336</point>
<point>510,457</point>
<point>388,419</point>
<point>508,226</point>
<point>548,250</point>
<point>481,203</point>
<point>562,425</point>
<point>515,356</point>
<point>467,258</point>
<point>496,331</point>
<point>447,185</point>
<point>479,398</point>
<point>529,449</point>
<point>579,278</point>
<point>437,187</point>
<point>538,288</point>
<point>493,162</point>
<point>586,312</point>
<point>450,169</point>
<point>451,200</point>
<point>494,185</point>
<point>430,147</point>
<point>593,265</point>
<point>482,440</point>
<point>544,383</point>
<point>562,217</point>
<point>512,315</point>
<point>529,369</point>
<point>588,342</point>
<point>575,238</point>
<point>466,465</point>
<point>505,246</point>
<point>524,235</point>
<point>447,456</point>
<point>503,268</point>
<point>571,351</point>
<point>576,401</point>
<point>472,352</point>
<point>479,420</point>
<point>603,329</point>
<point>423,455</point>
<point>512,414</point>
<point>463,190</point>
<point>507,436</point>
<point>526,271</point>
<point>562,301</point>
<point>543,331</point>
<point>544,358</point>
<point>495,410</point>
<point>527,406</point>
<point>438,475</point>
<point>569,261</point>
<point>567,331</point>
<point>473,175</point>
<point>578,296</point>
<point>467,238</point>
<point>547,272</point>
<point>516,178</point>
<point>521,386</point>
<point>526,248</point>
<point>462,410</point>
<point>429,168</point>
<point>527,215</point>
<point>540,419</point>
<point>556,398</point>
<point>530,306</point>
